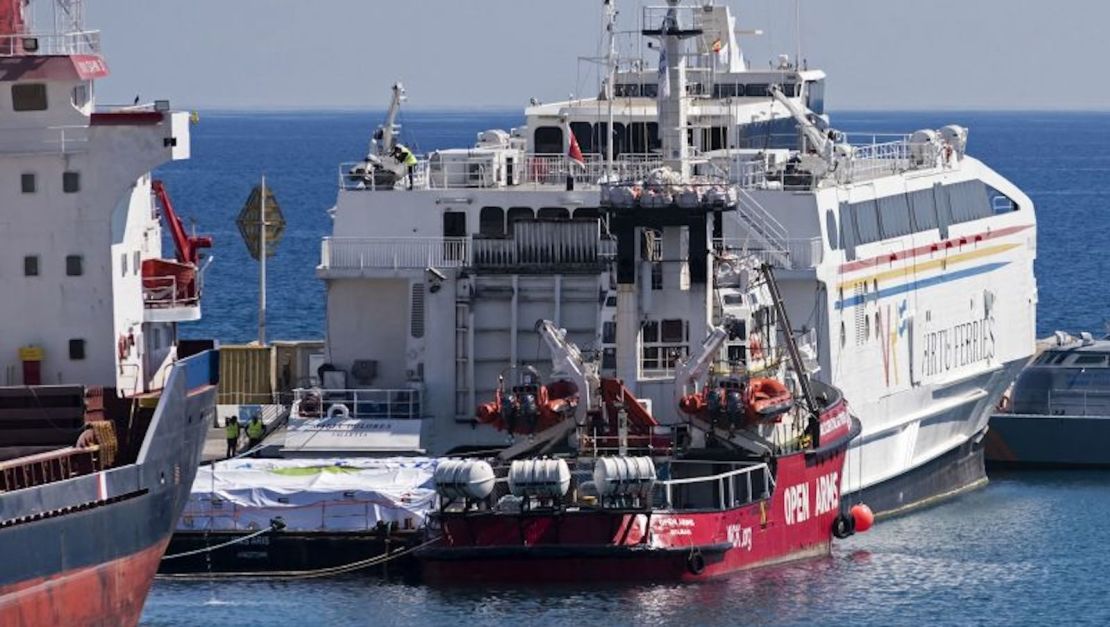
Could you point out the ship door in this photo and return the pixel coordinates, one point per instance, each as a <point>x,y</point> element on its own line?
<point>454,230</point>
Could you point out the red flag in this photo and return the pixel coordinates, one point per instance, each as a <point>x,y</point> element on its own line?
<point>574,152</point>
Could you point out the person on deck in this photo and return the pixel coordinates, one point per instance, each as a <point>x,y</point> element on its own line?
<point>405,157</point>
<point>231,430</point>
<point>255,431</point>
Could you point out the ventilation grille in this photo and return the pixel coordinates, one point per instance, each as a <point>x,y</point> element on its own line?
<point>417,314</point>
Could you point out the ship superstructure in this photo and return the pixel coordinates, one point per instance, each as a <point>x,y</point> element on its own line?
<point>905,262</point>
<point>102,411</point>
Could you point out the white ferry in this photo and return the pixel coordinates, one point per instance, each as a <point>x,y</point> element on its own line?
<point>906,264</point>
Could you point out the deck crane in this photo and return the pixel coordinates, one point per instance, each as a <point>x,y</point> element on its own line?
<point>823,142</point>
<point>381,168</point>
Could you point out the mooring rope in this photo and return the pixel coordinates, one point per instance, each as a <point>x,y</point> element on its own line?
<point>303,574</point>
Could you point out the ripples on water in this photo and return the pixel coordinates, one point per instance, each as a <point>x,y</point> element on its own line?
<point>1027,549</point>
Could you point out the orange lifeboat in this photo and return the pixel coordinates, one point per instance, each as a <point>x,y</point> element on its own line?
<point>530,408</point>
<point>767,400</point>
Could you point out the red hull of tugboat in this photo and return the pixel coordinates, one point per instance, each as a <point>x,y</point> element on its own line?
<point>598,544</point>
<point>108,594</point>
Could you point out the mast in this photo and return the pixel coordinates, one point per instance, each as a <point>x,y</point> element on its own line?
<point>610,83</point>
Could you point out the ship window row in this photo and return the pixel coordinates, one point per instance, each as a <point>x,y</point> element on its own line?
<point>914,212</point>
<point>634,137</point>
<point>753,90</point>
<point>496,222</point>
<point>71,182</point>
<point>636,90</point>
<point>75,265</point>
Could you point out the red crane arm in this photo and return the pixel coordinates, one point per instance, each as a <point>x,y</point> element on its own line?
<point>188,247</point>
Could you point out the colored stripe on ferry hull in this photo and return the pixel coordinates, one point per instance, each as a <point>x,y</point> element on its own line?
<point>921,283</point>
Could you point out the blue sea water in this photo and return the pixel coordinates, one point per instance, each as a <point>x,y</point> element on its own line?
<point>1027,549</point>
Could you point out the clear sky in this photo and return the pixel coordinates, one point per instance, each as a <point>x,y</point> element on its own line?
<point>880,54</point>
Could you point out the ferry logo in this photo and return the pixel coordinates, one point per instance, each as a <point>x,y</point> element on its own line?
<point>889,338</point>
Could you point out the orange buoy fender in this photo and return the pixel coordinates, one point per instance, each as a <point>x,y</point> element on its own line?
<point>863,517</point>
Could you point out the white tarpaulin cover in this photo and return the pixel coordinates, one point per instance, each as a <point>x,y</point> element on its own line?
<point>311,494</point>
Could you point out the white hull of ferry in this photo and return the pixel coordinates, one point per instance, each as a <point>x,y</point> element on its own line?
<point>907,263</point>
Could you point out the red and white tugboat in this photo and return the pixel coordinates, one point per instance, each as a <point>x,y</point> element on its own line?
<point>751,478</point>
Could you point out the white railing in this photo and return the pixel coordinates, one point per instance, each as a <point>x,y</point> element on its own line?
<point>162,292</point>
<point>728,494</point>
<point>51,140</point>
<point>871,161</point>
<point>479,172</point>
<point>770,234</point>
<point>554,169</point>
<point>369,404</point>
<point>789,254</point>
<point>49,44</point>
<point>354,253</point>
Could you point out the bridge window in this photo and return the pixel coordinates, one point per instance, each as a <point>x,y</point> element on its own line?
<point>724,90</point>
<point>626,90</point>
<point>757,90</point>
<point>969,201</point>
<point>830,228</point>
<point>548,140</point>
<point>894,214</point>
<point>491,222</point>
<point>867,221</point>
<point>1000,203</point>
<point>554,213</point>
<point>584,133</point>
<point>649,90</point>
<point>517,214</point>
<point>29,97</point>
<point>924,210</point>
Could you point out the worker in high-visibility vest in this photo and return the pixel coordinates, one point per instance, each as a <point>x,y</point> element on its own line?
<point>231,430</point>
<point>255,431</point>
<point>405,157</point>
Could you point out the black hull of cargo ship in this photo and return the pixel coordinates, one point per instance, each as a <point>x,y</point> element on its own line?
<point>958,471</point>
<point>84,551</point>
<point>285,551</point>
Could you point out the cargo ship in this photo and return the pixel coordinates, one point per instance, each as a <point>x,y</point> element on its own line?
<point>103,410</point>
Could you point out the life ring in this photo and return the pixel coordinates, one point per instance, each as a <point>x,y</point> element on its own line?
<point>122,348</point>
<point>695,563</point>
<point>339,410</point>
<point>844,526</point>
